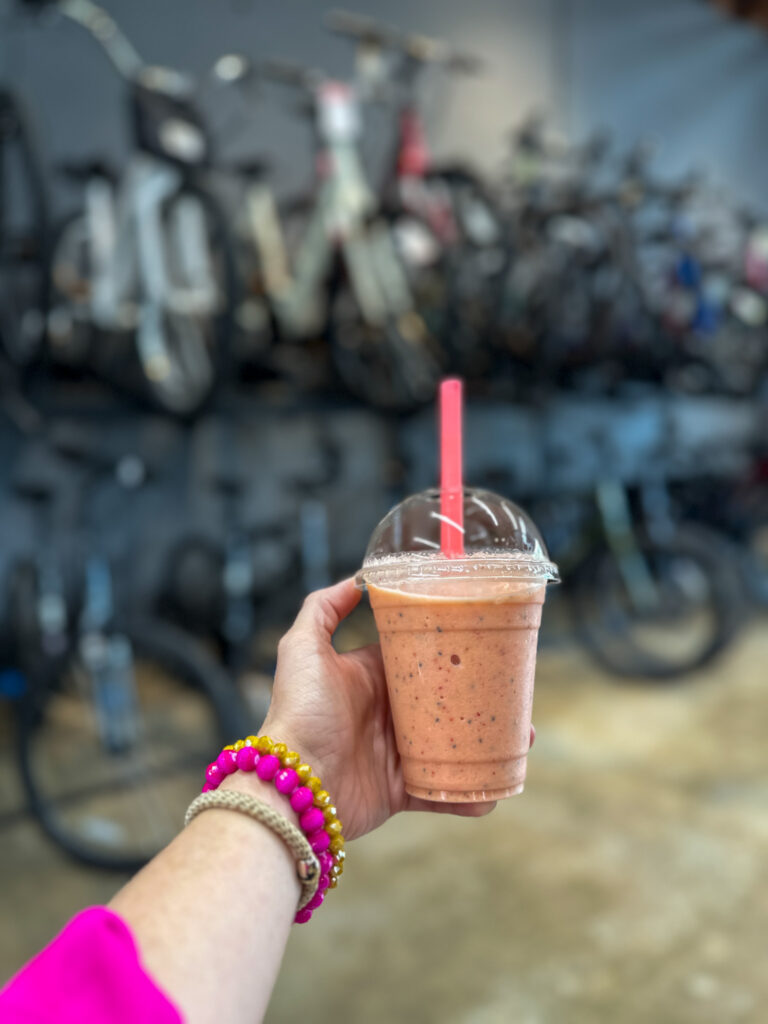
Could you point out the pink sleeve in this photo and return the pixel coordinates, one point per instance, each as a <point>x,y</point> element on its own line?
<point>89,974</point>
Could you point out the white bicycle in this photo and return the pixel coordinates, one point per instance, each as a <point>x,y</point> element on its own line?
<point>146,265</point>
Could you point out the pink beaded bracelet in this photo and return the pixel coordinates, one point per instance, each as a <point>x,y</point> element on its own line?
<point>274,762</point>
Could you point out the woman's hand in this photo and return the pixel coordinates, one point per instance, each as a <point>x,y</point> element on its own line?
<point>333,709</point>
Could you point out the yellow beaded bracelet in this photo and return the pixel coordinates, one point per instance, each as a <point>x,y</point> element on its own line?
<point>319,821</point>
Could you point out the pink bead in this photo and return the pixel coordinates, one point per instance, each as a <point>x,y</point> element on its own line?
<point>326,862</point>
<point>311,820</point>
<point>320,841</point>
<point>207,787</point>
<point>246,759</point>
<point>316,901</point>
<point>213,775</point>
<point>302,799</point>
<point>286,781</point>
<point>227,762</point>
<point>325,881</point>
<point>303,916</point>
<point>268,767</point>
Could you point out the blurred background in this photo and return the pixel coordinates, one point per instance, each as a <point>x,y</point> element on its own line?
<point>240,244</point>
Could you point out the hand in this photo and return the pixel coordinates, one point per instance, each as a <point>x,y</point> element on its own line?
<point>334,710</point>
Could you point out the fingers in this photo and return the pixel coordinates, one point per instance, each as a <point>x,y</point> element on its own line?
<point>533,737</point>
<point>475,810</point>
<point>323,610</point>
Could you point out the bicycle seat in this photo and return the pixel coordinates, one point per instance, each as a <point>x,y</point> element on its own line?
<point>249,167</point>
<point>81,171</point>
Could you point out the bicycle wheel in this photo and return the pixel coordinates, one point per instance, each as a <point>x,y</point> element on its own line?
<point>394,365</point>
<point>475,211</point>
<point>23,236</point>
<point>689,609</point>
<point>115,806</point>
<point>185,348</point>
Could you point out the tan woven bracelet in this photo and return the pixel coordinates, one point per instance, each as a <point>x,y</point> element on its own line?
<point>307,864</point>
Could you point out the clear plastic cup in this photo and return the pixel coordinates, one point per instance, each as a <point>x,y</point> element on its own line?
<point>458,636</point>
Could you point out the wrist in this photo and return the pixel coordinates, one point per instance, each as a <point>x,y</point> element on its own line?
<point>265,771</point>
<point>281,732</point>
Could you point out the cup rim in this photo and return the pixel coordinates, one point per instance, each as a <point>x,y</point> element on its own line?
<point>415,566</point>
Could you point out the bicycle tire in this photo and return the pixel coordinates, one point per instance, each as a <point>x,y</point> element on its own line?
<point>599,623</point>
<point>222,248</point>
<point>190,666</point>
<point>482,226</point>
<point>394,366</point>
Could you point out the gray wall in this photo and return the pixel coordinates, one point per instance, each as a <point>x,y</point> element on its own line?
<point>680,72</point>
<point>674,70</point>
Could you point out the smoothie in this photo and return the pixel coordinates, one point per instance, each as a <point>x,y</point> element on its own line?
<point>460,658</point>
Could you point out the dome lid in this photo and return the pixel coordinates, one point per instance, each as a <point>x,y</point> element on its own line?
<point>501,542</point>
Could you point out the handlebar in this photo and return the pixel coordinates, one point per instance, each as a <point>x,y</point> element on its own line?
<point>286,72</point>
<point>362,29</point>
<point>105,30</point>
<point>418,48</point>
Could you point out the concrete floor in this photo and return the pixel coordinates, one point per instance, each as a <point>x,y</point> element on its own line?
<point>629,883</point>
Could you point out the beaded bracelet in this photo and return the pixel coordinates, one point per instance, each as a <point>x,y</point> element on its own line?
<point>307,864</point>
<point>318,820</point>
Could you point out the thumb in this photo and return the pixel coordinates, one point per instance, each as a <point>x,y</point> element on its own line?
<point>323,610</point>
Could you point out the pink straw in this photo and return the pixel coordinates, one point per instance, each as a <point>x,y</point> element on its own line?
<point>451,484</point>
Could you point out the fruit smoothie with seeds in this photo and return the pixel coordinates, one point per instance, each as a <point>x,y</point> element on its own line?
<point>458,635</point>
<point>459,657</point>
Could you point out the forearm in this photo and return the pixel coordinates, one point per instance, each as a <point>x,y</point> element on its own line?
<point>212,913</point>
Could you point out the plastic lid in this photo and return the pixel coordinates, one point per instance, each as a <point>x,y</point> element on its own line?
<point>501,542</point>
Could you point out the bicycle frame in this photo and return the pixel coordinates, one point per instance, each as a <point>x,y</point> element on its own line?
<point>342,224</point>
<point>124,225</point>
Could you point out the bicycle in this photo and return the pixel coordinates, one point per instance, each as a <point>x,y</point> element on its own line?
<point>242,587</point>
<point>336,263</point>
<point>651,596</point>
<point>148,263</point>
<point>24,230</point>
<point>450,197</point>
<point>115,712</point>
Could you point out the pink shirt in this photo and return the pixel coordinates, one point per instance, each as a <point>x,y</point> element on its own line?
<point>89,974</point>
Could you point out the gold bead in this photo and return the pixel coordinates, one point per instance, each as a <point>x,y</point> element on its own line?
<point>333,827</point>
<point>329,813</point>
<point>264,745</point>
<point>304,772</point>
<point>322,798</point>
<point>229,746</point>
<point>238,746</point>
<point>251,741</point>
<point>337,870</point>
<point>280,750</point>
<point>333,883</point>
<point>314,784</point>
<point>291,759</point>
<point>341,855</point>
<point>337,844</point>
